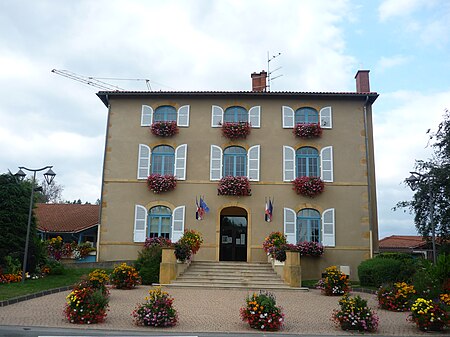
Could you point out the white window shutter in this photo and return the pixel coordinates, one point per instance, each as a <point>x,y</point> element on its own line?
<point>288,117</point>
<point>326,167</point>
<point>288,163</point>
<point>215,172</point>
<point>146,116</point>
<point>180,162</point>
<point>177,223</point>
<point>253,163</point>
<point>216,116</point>
<point>326,117</point>
<point>254,116</point>
<point>183,116</point>
<point>328,228</point>
<point>140,223</point>
<point>143,161</point>
<point>290,225</point>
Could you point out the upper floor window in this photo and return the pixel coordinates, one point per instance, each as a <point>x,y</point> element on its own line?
<point>163,159</point>
<point>308,225</point>
<point>234,161</point>
<point>306,116</point>
<point>235,114</point>
<point>165,113</point>
<point>159,222</point>
<point>307,159</point>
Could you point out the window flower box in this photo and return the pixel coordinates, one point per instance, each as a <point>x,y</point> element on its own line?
<point>158,183</point>
<point>164,129</point>
<point>238,186</point>
<point>307,130</point>
<point>236,130</point>
<point>308,186</point>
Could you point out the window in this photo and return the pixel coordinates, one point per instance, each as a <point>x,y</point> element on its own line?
<point>159,222</point>
<point>165,113</point>
<point>308,225</point>
<point>163,158</point>
<point>307,160</point>
<point>235,114</point>
<point>306,116</point>
<point>234,161</point>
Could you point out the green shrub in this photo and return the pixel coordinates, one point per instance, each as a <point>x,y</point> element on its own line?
<point>56,267</point>
<point>148,263</point>
<point>430,280</point>
<point>375,271</point>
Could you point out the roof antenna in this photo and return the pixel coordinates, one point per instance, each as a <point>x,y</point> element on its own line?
<point>269,73</point>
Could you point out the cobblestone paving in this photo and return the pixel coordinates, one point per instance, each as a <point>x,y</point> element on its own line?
<point>205,310</point>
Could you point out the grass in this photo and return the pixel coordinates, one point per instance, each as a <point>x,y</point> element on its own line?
<point>70,276</point>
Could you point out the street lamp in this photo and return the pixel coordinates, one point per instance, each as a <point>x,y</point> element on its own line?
<point>49,176</point>
<point>412,181</point>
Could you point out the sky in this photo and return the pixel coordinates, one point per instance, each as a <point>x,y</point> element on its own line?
<point>47,119</point>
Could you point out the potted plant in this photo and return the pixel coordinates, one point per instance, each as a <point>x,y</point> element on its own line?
<point>86,305</point>
<point>333,282</point>
<point>307,130</point>
<point>308,186</point>
<point>395,297</point>
<point>157,310</point>
<point>261,312</point>
<point>273,243</point>
<point>430,315</point>
<point>236,130</point>
<point>125,277</point>
<point>164,128</point>
<point>158,183</point>
<point>237,186</point>
<point>354,314</point>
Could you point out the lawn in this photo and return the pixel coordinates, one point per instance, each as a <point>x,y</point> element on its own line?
<point>69,277</point>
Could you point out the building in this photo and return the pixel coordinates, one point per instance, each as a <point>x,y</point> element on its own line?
<point>72,222</point>
<point>343,217</point>
<point>409,244</point>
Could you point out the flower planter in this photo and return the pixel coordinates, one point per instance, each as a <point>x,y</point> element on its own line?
<point>239,130</point>
<point>164,129</point>
<point>234,186</point>
<point>158,183</point>
<point>307,130</point>
<point>308,186</point>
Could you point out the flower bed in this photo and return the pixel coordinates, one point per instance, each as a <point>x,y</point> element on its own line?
<point>164,129</point>
<point>395,297</point>
<point>157,241</point>
<point>308,186</point>
<point>430,315</point>
<point>306,248</point>
<point>125,277</point>
<point>262,313</point>
<point>158,183</point>
<point>157,310</point>
<point>307,130</point>
<point>333,282</point>
<point>86,305</point>
<point>238,186</point>
<point>355,315</point>
<point>236,130</point>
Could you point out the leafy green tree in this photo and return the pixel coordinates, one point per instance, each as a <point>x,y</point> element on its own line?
<point>14,208</point>
<point>434,187</point>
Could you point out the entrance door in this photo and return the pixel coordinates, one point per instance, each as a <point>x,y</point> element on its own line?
<point>233,238</point>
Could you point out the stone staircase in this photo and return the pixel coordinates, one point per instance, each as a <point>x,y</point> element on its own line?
<point>238,275</point>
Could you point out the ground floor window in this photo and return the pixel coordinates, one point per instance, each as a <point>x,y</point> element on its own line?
<point>308,221</point>
<point>159,222</point>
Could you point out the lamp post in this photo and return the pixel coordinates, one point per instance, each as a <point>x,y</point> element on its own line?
<point>49,176</point>
<point>412,181</point>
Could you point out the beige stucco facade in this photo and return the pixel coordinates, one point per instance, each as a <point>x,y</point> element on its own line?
<point>356,230</point>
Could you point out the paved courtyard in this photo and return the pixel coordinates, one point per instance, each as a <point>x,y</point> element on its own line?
<point>205,310</point>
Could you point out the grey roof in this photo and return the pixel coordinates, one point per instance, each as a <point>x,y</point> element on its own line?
<point>105,95</point>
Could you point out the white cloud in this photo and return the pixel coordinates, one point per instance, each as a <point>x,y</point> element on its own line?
<point>392,8</point>
<point>385,63</point>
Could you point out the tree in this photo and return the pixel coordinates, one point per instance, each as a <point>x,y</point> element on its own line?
<point>50,193</point>
<point>434,184</point>
<point>14,208</point>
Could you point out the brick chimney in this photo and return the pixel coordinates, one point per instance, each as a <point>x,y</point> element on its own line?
<point>362,81</point>
<point>259,81</point>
